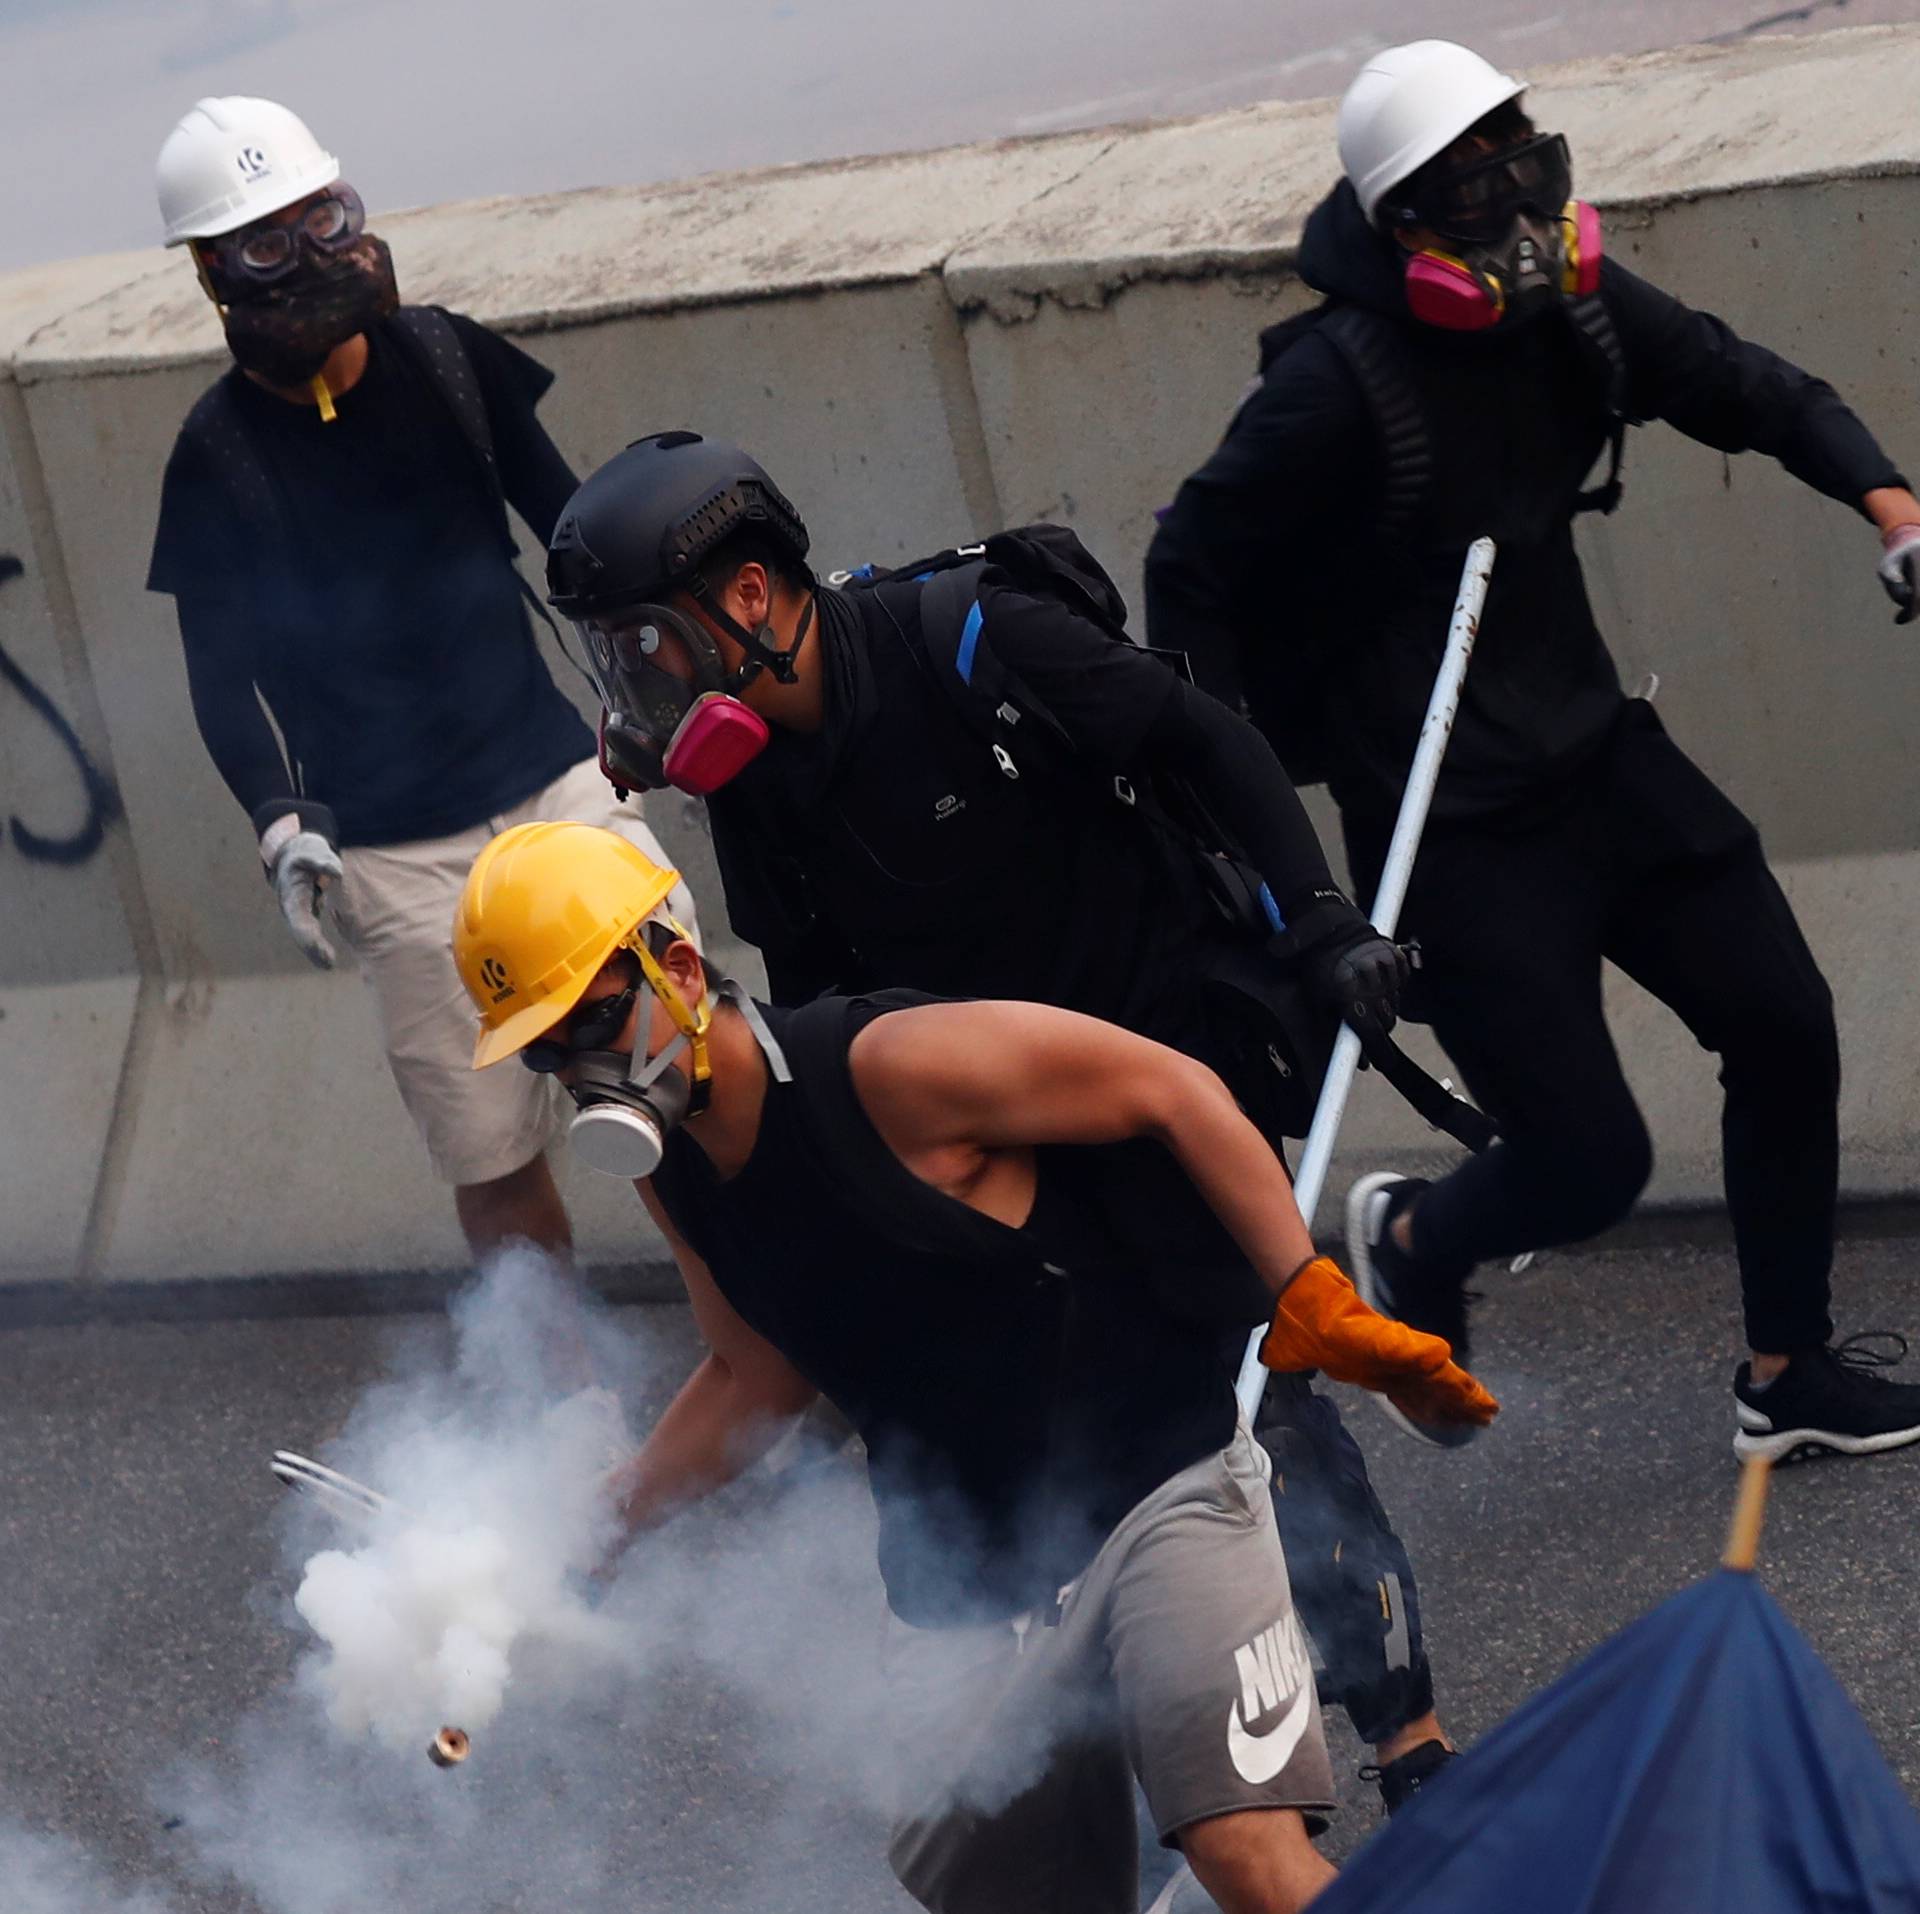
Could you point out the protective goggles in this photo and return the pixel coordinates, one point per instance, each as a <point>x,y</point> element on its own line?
<point>597,1025</point>
<point>593,1026</point>
<point>267,253</point>
<point>1476,202</point>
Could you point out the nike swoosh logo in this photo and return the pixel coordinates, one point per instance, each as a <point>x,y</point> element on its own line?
<point>1258,1758</point>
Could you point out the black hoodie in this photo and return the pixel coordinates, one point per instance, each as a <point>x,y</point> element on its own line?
<point>1285,515</point>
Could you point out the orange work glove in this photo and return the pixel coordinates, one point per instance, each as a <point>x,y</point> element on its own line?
<point>1321,1323</point>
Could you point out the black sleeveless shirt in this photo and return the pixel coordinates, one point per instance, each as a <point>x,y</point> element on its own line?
<point>1018,1389</point>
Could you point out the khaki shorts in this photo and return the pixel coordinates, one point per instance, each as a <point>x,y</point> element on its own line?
<point>395,908</point>
<point>1176,1657</point>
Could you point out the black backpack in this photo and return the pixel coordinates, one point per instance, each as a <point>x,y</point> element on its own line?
<point>1023,736</point>
<point>1371,347</point>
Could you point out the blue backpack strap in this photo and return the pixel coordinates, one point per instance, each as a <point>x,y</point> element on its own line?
<point>991,700</point>
<point>952,620</point>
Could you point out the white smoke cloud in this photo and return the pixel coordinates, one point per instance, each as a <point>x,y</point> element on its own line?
<point>43,1874</point>
<point>593,1706</point>
<point>709,1729</point>
<point>497,1518</point>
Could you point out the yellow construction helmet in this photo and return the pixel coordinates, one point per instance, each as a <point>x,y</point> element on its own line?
<point>544,907</point>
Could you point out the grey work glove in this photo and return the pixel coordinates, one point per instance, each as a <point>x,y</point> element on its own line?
<point>296,846</point>
<point>1349,966</point>
<point>1900,570</point>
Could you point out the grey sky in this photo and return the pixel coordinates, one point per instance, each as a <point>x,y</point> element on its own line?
<point>427,100</point>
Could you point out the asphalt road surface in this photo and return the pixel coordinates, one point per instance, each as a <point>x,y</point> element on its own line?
<point>144,1621</point>
<point>429,100</point>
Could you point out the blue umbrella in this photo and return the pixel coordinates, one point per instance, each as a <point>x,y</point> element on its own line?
<point>1703,1760</point>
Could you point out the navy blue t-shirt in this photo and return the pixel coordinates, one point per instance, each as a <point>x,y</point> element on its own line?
<point>389,639</point>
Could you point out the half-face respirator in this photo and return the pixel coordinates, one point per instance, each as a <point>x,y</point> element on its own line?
<point>1517,237</point>
<point>627,1104</point>
<point>624,1114</point>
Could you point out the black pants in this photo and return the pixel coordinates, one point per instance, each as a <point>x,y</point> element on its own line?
<point>1646,864</point>
<point>1350,1574</point>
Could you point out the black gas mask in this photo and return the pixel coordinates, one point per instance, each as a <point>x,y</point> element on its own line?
<point>1515,238</point>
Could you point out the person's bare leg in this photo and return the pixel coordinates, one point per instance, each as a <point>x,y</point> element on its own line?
<point>525,1203</point>
<point>1256,1861</point>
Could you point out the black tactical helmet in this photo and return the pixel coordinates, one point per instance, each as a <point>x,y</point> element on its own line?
<point>639,527</point>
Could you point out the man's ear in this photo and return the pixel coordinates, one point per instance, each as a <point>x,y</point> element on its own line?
<point>752,591</point>
<point>685,970</point>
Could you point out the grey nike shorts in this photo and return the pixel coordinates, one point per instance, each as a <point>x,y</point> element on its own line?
<point>1176,1657</point>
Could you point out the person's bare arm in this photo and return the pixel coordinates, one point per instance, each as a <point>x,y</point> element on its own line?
<point>953,1087</point>
<point>728,1412</point>
<point>964,1093</point>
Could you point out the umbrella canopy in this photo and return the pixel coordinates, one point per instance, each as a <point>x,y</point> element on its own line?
<point>1701,1760</point>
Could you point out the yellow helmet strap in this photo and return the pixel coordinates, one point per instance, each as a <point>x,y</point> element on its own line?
<point>692,1021</point>
<point>627,1104</point>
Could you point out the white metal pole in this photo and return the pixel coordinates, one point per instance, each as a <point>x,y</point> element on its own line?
<point>1435,729</point>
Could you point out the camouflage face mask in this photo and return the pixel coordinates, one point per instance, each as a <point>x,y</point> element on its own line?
<point>286,331</point>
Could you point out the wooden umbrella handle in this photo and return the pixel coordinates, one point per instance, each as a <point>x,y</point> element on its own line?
<point>1749,1512</point>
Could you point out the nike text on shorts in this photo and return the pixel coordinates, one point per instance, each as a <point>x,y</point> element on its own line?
<point>1176,1657</point>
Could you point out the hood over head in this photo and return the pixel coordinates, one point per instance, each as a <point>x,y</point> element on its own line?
<point>1346,258</point>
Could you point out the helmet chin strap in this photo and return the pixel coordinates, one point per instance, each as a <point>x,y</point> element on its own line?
<point>761,656</point>
<point>693,1022</point>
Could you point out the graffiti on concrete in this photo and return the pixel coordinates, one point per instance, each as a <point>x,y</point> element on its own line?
<point>102,796</point>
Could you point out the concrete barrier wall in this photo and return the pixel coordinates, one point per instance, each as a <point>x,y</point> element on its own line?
<point>920,347</point>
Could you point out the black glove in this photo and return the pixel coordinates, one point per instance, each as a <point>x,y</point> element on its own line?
<point>1349,966</point>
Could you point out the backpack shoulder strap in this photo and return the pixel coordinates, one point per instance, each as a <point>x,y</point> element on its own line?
<point>950,646</point>
<point>1371,350</point>
<point>993,702</point>
<point>429,338</point>
<point>432,341</point>
<point>1594,328</point>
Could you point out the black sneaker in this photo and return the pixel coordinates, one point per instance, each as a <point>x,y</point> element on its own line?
<point>1390,1281</point>
<point>1829,1399</point>
<point>1401,1779</point>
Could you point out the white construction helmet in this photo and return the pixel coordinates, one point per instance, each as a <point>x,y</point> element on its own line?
<point>234,160</point>
<point>1410,103</point>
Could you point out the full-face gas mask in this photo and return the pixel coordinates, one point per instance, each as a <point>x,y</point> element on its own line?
<point>641,531</point>
<point>671,711</point>
<point>1516,237</point>
<point>627,1104</point>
